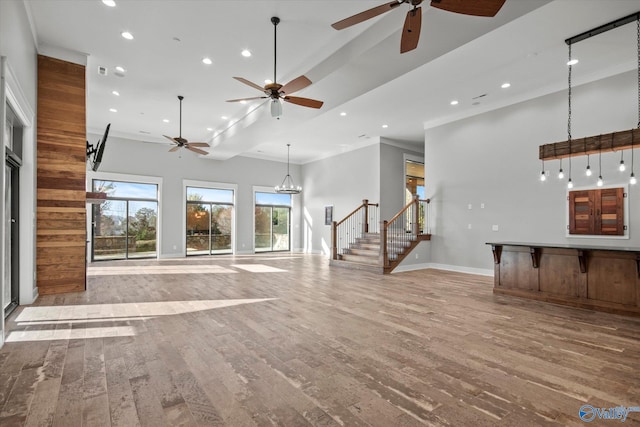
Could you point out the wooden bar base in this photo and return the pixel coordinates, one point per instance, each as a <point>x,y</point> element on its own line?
<point>595,278</point>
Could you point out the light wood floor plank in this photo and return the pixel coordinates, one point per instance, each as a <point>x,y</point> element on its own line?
<point>160,342</point>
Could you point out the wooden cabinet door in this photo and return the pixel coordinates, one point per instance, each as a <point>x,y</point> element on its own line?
<point>610,212</point>
<point>581,212</point>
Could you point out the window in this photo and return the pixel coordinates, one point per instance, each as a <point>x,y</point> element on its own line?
<point>209,221</point>
<point>125,226</point>
<point>597,212</point>
<point>272,222</point>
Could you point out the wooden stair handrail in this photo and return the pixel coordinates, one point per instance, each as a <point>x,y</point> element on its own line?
<point>396,216</point>
<point>364,203</point>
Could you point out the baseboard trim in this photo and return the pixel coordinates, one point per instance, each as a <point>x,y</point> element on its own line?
<point>447,267</point>
<point>166,256</point>
<point>461,269</point>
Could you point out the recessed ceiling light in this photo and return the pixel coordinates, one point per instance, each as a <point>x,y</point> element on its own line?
<point>210,129</point>
<point>113,110</point>
<point>207,61</point>
<point>165,120</point>
<point>243,102</point>
<point>268,81</point>
<point>224,117</point>
<point>454,102</point>
<point>573,62</point>
<point>385,126</point>
<point>246,53</point>
<point>110,3</point>
<point>343,114</point>
<point>127,35</point>
<point>505,85</point>
<point>120,69</point>
<point>115,92</point>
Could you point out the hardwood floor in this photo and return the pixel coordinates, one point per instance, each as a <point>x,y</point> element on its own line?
<point>285,340</point>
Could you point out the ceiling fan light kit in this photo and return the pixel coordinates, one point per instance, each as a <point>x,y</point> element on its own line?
<point>413,20</point>
<point>276,91</point>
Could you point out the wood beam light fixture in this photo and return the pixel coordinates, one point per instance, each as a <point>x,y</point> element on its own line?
<point>615,141</point>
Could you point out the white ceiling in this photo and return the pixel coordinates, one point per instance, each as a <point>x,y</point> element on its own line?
<point>358,70</point>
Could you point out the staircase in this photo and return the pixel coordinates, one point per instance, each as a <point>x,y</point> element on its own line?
<point>355,246</point>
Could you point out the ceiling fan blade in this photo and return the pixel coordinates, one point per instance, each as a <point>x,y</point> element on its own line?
<point>305,102</point>
<point>197,150</point>
<point>246,99</point>
<point>411,30</point>
<point>367,14</point>
<point>248,83</point>
<point>295,85</point>
<point>475,8</point>
<point>170,139</point>
<point>198,144</point>
<point>176,148</point>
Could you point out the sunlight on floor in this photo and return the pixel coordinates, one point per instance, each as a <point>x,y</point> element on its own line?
<point>157,269</point>
<point>82,316</point>
<point>258,268</point>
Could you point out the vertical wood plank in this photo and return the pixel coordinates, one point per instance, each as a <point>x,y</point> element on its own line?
<point>60,257</point>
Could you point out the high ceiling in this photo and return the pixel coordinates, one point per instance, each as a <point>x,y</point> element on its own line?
<point>358,71</point>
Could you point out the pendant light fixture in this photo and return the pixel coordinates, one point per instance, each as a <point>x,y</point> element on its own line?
<point>560,172</point>
<point>600,182</point>
<point>588,170</point>
<point>632,178</point>
<point>543,177</point>
<point>569,183</point>
<point>622,166</point>
<point>288,186</point>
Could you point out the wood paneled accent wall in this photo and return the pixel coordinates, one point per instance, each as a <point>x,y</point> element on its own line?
<point>61,153</point>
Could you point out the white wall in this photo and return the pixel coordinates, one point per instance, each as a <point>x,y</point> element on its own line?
<point>341,181</point>
<point>493,159</point>
<point>126,157</point>
<point>19,88</point>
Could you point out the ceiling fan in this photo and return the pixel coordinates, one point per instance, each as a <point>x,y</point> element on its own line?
<point>276,91</point>
<point>182,142</point>
<point>413,21</point>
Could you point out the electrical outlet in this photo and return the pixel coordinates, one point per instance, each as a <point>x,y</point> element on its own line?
<point>175,247</point>
<point>469,206</point>
<point>481,205</point>
<point>469,226</point>
<point>494,227</point>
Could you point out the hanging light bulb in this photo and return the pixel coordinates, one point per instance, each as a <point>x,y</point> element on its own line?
<point>570,184</point>
<point>588,171</point>
<point>622,167</point>
<point>632,178</point>
<point>560,172</point>
<point>543,176</point>
<point>600,182</point>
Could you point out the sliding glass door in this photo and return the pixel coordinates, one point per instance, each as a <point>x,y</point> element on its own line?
<point>125,225</point>
<point>272,222</point>
<point>209,221</point>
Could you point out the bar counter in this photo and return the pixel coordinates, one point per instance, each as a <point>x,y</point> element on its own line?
<point>599,278</point>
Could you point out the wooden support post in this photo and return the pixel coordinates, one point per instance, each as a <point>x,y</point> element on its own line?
<point>384,256</point>
<point>365,204</point>
<point>334,240</point>
<point>415,227</point>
